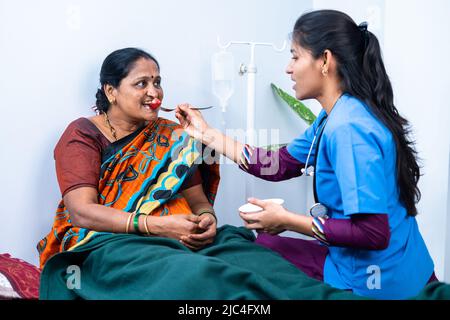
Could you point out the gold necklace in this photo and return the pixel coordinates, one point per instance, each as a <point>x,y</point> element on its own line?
<point>111,128</point>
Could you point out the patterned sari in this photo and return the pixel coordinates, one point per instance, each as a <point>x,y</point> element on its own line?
<point>141,173</point>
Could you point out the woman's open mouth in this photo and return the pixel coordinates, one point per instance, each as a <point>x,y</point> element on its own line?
<point>152,105</point>
<point>147,106</point>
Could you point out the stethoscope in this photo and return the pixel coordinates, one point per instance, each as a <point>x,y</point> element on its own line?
<point>318,209</point>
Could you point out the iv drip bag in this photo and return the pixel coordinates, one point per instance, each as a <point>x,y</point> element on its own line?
<point>223,76</point>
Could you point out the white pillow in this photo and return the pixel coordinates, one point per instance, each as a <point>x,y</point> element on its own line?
<point>6,289</point>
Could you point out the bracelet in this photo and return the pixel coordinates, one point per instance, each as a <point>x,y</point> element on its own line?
<point>318,232</point>
<point>145,225</point>
<point>136,223</point>
<point>128,222</point>
<point>210,212</point>
<point>246,154</point>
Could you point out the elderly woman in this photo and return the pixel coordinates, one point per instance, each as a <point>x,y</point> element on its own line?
<point>137,221</point>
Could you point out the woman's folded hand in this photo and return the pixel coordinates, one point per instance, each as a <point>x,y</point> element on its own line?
<point>174,226</point>
<point>206,232</point>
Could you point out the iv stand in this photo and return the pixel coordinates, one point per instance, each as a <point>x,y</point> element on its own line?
<point>251,71</point>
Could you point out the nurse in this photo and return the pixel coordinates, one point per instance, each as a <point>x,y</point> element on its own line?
<point>365,167</point>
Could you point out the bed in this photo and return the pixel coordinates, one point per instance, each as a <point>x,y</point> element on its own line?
<point>20,280</point>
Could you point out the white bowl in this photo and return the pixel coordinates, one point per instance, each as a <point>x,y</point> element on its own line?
<point>251,208</point>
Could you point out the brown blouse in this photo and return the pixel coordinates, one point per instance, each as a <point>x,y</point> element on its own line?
<point>78,157</point>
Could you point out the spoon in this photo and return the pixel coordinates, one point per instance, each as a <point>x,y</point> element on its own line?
<point>169,109</point>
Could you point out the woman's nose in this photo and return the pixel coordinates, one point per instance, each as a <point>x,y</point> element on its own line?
<point>289,69</point>
<point>152,92</point>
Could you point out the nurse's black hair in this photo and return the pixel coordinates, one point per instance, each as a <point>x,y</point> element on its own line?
<point>116,66</point>
<point>362,73</point>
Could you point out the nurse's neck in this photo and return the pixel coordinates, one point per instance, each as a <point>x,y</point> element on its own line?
<point>330,95</point>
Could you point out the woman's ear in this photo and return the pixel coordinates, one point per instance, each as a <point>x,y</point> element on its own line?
<point>110,92</point>
<point>327,58</point>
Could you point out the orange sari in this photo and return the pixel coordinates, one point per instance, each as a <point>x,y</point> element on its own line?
<point>144,176</point>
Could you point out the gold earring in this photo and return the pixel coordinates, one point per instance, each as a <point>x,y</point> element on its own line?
<point>324,72</point>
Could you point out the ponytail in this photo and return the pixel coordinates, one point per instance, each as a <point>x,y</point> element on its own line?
<point>102,102</point>
<point>381,101</point>
<point>363,75</point>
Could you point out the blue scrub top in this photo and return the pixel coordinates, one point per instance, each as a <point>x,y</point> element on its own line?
<point>356,174</point>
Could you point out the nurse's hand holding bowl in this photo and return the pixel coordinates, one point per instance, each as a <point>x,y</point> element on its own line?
<point>366,173</point>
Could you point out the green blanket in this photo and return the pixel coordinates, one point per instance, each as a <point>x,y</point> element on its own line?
<point>121,266</point>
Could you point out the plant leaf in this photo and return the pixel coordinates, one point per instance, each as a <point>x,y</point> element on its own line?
<point>299,108</point>
<point>275,147</point>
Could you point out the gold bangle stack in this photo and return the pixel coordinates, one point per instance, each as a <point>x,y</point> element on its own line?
<point>146,226</point>
<point>128,222</point>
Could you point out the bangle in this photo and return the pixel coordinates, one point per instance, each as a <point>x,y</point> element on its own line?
<point>145,225</point>
<point>136,223</point>
<point>245,158</point>
<point>210,212</point>
<point>128,222</point>
<point>318,232</point>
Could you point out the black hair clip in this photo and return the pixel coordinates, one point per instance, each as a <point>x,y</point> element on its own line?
<point>363,26</point>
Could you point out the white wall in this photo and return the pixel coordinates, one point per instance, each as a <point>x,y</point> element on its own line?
<point>415,45</point>
<point>50,56</point>
<point>414,36</point>
<point>447,239</point>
